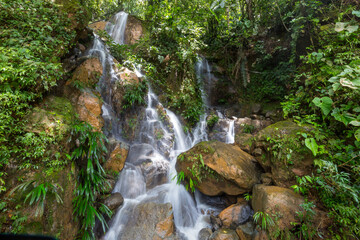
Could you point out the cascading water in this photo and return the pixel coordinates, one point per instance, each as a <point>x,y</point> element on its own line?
<point>117,29</point>
<point>151,161</point>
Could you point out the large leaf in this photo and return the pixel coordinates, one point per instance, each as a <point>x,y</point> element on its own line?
<point>341,116</point>
<point>356,13</point>
<point>352,29</point>
<point>340,26</point>
<point>324,103</point>
<point>355,123</point>
<point>311,144</point>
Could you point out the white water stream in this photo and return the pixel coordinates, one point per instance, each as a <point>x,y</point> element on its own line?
<point>150,164</point>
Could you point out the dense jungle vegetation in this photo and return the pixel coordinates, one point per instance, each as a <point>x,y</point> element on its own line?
<point>302,53</point>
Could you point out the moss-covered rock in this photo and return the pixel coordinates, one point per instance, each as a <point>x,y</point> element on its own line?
<point>53,116</point>
<point>219,168</point>
<point>283,152</point>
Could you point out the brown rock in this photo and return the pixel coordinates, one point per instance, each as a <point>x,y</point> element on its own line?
<point>88,107</point>
<point>150,221</point>
<point>101,25</point>
<point>88,73</point>
<point>127,76</point>
<point>224,234</point>
<point>233,171</point>
<point>117,158</point>
<point>282,202</point>
<point>166,227</point>
<point>235,215</point>
<point>134,30</point>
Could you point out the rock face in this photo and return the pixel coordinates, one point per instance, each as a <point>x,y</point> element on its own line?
<point>114,201</point>
<point>133,31</point>
<point>88,73</point>
<point>151,221</point>
<point>224,234</point>
<point>235,215</point>
<point>292,157</point>
<point>101,25</point>
<point>88,106</point>
<point>226,169</point>
<point>117,158</point>
<point>280,201</point>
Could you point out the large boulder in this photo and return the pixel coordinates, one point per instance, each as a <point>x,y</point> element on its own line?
<point>277,201</point>
<point>219,168</point>
<point>134,30</point>
<point>150,221</point>
<point>280,149</point>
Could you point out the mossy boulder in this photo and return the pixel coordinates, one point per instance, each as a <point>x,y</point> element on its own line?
<point>280,149</point>
<point>277,201</point>
<point>53,116</point>
<point>219,168</point>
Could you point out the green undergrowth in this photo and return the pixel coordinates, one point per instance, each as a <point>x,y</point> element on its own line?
<point>89,155</point>
<point>33,37</point>
<point>326,96</point>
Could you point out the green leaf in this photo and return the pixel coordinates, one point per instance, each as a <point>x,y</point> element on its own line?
<point>311,144</point>
<point>340,26</point>
<point>352,29</point>
<point>357,134</point>
<point>324,103</point>
<point>356,13</point>
<point>355,123</point>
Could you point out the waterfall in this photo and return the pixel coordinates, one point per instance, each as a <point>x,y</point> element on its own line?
<point>150,165</point>
<point>117,29</point>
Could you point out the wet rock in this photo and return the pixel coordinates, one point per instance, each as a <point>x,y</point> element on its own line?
<point>114,201</point>
<point>215,222</point>
<point>219,130</point>
<point>235,215</point>
<point>134,30</point>
<point>282,202</point>
<point>204,234</point>
<point>224,234</point>
<point>117,157</point>
<point>88,73</point>
<point>156,173</point>
<point>225,168</point>
<point>150,221</point>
